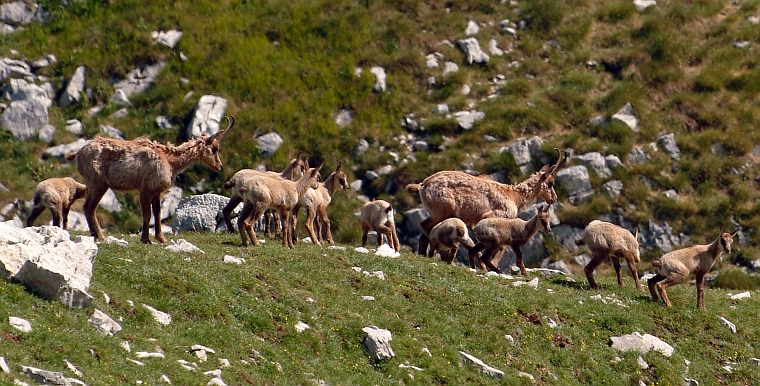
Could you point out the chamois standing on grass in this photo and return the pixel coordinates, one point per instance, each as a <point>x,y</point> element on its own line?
<point>496,232</point>
<point>446,237</point>
<point>457,194</point>
<point>377,215</point>
<point>605,239</point>
<point>56,194</point>
<point>673,267</point>
<point>142,165</point>
<point>292,172</point>
<point>315,201</point>
<point>264,192</point>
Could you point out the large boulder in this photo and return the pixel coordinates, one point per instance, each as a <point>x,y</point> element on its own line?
<point>575,180</point>
<point>208,114</point>
<point>20,12</point>
<point>48,262</point>
<point>200,213</point>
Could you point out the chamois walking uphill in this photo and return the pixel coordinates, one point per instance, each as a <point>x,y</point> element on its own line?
<point>56,194</point>
<point>264,192</point>
<point>495,233</point>
<point>377,215</point>
<point>675,266</point>
<point>605,239</point>
<point>143,165</point>
<point>457,194</point>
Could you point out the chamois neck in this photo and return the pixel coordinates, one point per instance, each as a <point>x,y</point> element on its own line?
<point>289,171</point>
<point>526,191</point>
<point>531,227</point>
<point>715,248</point>
<point>180,157</point>
<point>330,183</point>
<point>303,184</point>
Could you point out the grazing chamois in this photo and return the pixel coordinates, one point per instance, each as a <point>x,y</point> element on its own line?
<point>494,233</point>
<point>56,194</point>
<point>446,237</point>
<point>673,267</point>
<point>292,172</point>
<point>605,239</point>
<point>377,215</point>
<point>315,201</point>
<point>457,194</point>
<point>143,165</point>
<point>264,192</point>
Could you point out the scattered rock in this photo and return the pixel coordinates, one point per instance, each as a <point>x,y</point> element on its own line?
<point>728,324</point>
<point>269,143</point>
<point>641,343</point>
<point>167,38</point>
<point>627,116</point>
<point>103,323</point>
<point>73,92</point>
<point>44,377</point>
<point>379,72</point>
<point>484,368</point>
<point>160,317</point>
<point>20,324</point>
<point>378,343</point>
<point>209,113</point>
<point>472,51</point>
<point>182,245</point>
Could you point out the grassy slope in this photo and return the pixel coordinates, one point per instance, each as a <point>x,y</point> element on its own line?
<point>255,306</point>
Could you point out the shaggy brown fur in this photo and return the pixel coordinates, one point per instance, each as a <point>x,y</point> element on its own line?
<point>142,165</point>
<point>675,266</point>
<point>315,201</point>
<point>449,194</point>
<point>292,172</point>
<point>446,237</point>
<point>56,194</point>
<point>605,239</point>
<point>377,215</point>
<point>271,192</point>
<point>495,233</point>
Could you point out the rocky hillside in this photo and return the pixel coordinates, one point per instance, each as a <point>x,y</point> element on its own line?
<point>654,99</point>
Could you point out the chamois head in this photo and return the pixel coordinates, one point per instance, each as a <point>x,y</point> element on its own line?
<point>341,177</point>
<point>726,239</point>
<point>548,172</point>
<point>210,146</point>
<point>543,220</point>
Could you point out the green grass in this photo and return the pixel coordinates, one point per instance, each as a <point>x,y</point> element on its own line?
<point>241,309</point>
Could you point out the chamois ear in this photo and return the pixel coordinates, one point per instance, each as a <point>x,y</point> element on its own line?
<point>337,169</point>
<point>721,229</point>
<point>545,209</point>
<point>290,154</point>
<point>636,233</point>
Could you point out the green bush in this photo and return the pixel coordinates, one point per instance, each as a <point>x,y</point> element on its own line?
<point>736,279</point>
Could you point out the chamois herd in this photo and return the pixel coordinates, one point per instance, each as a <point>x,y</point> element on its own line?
<point>454,200</point>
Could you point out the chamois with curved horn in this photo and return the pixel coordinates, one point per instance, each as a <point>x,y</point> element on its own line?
<point>143,165</point>
<point>457,194</point>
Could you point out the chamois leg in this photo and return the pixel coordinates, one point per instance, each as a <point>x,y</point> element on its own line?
<point>672,279</point>
<point>701,290</point>
<point>56,212</point>
<point>311,214</point>
<point>426,225</point>
<point>520,259</point>
<point>227,212</point>
<point>322,215</point>
<point>145,204</point>
<point>65,217</point>
<point>618,269</point>
<point>94,194</point>
<point>634,273</point>
<point>473,253</point>
<point>36,211</point>
<point>488,255</point>
<point>452,254</point>
<point>365,230</point>
<point>394,239</point>
<point>384,230</point>
<point>246,232</point>
<point>156,204</point>
<point>294,222</point>
<point>651,284</point>
<point>287,236</point>
<point>590,267</point>
<point>432,248</point>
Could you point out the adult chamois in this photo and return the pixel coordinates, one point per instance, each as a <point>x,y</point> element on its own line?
<point>143,165</point>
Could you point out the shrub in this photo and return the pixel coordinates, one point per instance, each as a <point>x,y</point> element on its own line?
<point>736,279</point>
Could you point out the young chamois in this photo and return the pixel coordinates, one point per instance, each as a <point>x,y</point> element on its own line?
<point>292,172</point>
<point>675,266</point>
<point>449,194</point>
<point>264,192</point>
<point>377,215</point>
<point>315,201</point>
<point>605,239</point>
<point>142,165</point>
<point>496,232</point>
<point>56,194</point>
<point>446,237</point>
